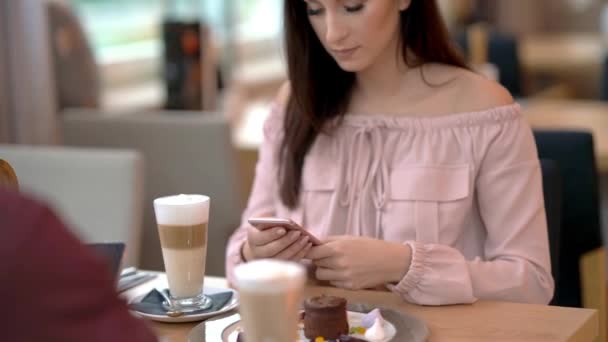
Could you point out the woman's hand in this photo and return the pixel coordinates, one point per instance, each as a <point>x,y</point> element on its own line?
<point>357,263</point>
<point>275,243</point>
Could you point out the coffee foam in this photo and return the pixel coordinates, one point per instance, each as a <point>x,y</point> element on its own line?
<point>182,210</point>
<point>269,275</point>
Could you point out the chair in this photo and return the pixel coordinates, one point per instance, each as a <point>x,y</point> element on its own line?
<point>8,178</point>
<point>98,193</point>
<point>502,51</point>
<point>580,224</point>
<point>552,191</point>
<point>185,152</point>
<point>604,81</point>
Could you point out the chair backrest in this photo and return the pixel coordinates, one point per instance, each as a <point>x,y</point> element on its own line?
<point>574,154</point>
<point>97,193</point>
<point>502,52</point>
<point>8,178</point>
<point>552,191</point>
<point>604,80</point>
<point>186,152</point>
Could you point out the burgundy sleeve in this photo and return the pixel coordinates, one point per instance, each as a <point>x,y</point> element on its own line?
<point>57,289</point>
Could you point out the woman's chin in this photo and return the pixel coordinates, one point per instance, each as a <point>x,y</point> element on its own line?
<point>350,66</point>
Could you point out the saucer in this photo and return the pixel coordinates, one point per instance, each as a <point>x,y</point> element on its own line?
<point>192,317</point>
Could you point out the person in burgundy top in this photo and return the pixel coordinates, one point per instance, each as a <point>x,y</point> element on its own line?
<point>53,287</point>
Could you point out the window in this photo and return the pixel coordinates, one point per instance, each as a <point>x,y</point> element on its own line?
<point>126,37</point>
<point>119,30</point>
<point>259,19</point>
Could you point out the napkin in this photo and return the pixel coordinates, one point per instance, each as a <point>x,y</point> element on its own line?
<point>152,303</point>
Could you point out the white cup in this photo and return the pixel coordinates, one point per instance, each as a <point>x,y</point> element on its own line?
<point>270,292</point>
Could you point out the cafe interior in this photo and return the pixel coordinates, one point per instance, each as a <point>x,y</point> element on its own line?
<point>107,105</point>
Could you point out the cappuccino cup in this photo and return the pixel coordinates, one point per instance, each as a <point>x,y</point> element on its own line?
<point>270,292</point>
<point>182,227</point>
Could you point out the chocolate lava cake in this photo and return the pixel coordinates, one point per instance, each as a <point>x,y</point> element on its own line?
<point>325,316</point>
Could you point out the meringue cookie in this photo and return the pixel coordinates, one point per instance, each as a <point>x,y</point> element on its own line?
<point>370,317</point>
<point>376,332</point>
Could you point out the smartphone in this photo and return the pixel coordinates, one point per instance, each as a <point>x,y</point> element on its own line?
<point>263,223</point>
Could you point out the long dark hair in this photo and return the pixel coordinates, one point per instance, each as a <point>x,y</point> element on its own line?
<point>320,89</point>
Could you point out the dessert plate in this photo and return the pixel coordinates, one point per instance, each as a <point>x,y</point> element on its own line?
<point>401,327</point>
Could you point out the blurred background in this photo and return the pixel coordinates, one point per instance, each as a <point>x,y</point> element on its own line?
<point>185,86</point>
<point>117,55</point>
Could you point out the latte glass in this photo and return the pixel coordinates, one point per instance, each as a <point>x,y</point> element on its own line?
<point>182,227</point>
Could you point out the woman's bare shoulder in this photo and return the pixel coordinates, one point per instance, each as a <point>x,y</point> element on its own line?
<point>468,91</point>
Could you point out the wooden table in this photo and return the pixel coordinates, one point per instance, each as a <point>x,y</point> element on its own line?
<point>482,321</point>
<point>573,114</point>
<point>574,61</point>
<point>562,53</point>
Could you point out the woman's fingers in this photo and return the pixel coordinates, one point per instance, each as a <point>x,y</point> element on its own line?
<point>302,254</point>
<point>321,252</point>
<point>258,237</point>
<point>295,248</point>
<point>273,248</point>
<point>329,275</point>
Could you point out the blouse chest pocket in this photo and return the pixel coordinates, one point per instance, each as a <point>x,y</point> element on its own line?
<point>435,197</point>
<point>319,182</point>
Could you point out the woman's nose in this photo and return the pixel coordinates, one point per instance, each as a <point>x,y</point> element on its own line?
<point>336,29</point>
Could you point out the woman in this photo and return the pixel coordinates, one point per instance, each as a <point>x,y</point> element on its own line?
<point>418,174</point>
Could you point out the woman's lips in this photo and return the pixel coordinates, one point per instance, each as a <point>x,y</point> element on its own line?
<point>344,53</point>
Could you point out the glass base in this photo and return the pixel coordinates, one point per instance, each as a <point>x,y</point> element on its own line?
<point>200,302</point>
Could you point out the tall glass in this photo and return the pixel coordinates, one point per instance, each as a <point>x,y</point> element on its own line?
<point>182,226</point>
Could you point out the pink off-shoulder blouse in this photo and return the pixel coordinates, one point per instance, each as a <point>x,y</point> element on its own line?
<point>464,191</point>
